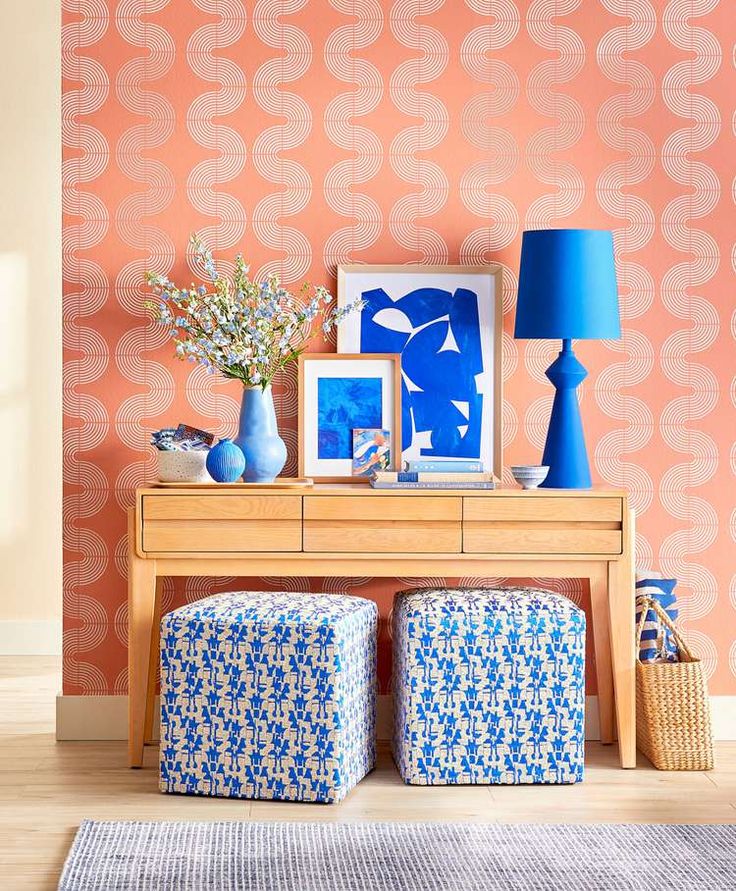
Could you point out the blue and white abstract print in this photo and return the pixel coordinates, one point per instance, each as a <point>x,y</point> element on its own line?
<point>442,324</point>
<point>438,335</point>
<point>268,695</point>
<point>345,404</point>
<point>489,686</point>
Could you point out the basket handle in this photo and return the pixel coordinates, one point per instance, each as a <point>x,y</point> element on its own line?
<point>648,603</point>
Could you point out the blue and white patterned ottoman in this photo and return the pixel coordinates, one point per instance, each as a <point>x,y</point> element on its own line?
<point>268,695</point>
<point>489,686</point>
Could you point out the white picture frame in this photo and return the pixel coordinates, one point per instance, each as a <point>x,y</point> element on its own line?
<point>320,372</point>
<point>398,316</point>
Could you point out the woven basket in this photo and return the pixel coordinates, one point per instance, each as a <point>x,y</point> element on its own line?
<point>672,709</point>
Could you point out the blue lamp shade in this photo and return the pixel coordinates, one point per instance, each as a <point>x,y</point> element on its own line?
<point>567,285</point>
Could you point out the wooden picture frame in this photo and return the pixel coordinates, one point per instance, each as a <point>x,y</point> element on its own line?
<point>398,281</point>
<point>391,409</point>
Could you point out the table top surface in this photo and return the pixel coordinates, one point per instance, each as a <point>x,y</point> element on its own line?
<point>363,489</point>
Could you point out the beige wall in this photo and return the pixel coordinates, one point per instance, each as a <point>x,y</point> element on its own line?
<point>30,314</point>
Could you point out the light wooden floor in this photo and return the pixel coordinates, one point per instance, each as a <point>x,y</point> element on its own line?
<point>46,788</point>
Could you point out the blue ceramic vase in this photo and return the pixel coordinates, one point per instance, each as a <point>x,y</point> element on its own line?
<point>225,462</point>
<point>258,436</point>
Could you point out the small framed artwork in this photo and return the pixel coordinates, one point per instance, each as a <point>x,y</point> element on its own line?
<point>349,415</point>
<point>371,450</point>
<point>446,323</point>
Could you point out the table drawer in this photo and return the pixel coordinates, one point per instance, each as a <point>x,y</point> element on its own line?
<point>540,509</point>
<point>480,538</point>
<point>220,523</point>
<point>382,524</point>
<point>539,525</point>
<point>222,507</point>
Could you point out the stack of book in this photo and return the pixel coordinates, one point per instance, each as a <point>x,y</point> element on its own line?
<point>435,475</point>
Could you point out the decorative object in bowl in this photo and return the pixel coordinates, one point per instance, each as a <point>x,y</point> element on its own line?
<point>183,467</point>
<point>529,476</point>
<point>225,462</point>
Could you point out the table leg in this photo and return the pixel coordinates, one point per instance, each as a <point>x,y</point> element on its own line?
<point>153,661</point>
<point>602,645</point>
<point>621,606</point>
<point>141,608</point>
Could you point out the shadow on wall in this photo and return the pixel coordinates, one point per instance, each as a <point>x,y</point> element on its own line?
<point>15,419</point>
<point>30,463</point>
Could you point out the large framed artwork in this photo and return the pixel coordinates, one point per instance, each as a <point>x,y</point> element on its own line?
<point>446,322</point>
<point>349,415</point>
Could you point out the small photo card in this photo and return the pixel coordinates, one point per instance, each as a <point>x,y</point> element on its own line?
<point>371,450</point>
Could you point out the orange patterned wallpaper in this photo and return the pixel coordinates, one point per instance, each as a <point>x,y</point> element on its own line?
<point>312,132</point>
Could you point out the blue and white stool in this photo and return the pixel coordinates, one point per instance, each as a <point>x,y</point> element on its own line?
<point>489,686</point>
<point>268,695</point>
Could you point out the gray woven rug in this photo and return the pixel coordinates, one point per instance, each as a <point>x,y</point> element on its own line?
<point>398,857</point>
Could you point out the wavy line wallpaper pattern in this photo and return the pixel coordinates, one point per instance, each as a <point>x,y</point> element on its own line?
<point>314,132</point>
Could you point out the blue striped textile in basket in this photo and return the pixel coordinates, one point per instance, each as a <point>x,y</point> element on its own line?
<point>656,641</point>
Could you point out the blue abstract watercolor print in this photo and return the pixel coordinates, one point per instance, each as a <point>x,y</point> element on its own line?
<point>345,403</point>
<point>438,335</point>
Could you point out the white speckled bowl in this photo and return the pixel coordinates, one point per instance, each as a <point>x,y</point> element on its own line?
<point>183,467</point>
<point>529,476</point>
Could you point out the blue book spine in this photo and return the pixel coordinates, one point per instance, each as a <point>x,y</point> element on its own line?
<point>407,477</point>
<point>444,466</point>
<point>424,485</point>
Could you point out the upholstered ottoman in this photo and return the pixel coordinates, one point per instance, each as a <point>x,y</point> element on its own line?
<point>489,686</point>
<point>268,695</point>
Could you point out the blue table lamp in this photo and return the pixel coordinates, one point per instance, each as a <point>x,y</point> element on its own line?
<point>567,290</point>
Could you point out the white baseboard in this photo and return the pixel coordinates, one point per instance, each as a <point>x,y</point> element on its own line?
<point>33,637</point>
<point>93,717</point>
<point>723,715</point>
<point>106,717</point>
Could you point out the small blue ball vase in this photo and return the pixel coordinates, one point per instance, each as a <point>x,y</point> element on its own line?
<point>225,462</point>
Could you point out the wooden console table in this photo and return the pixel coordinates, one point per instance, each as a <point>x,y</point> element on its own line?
<point>353,530</point>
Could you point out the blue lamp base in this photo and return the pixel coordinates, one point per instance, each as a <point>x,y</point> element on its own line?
<point>564,452</point>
